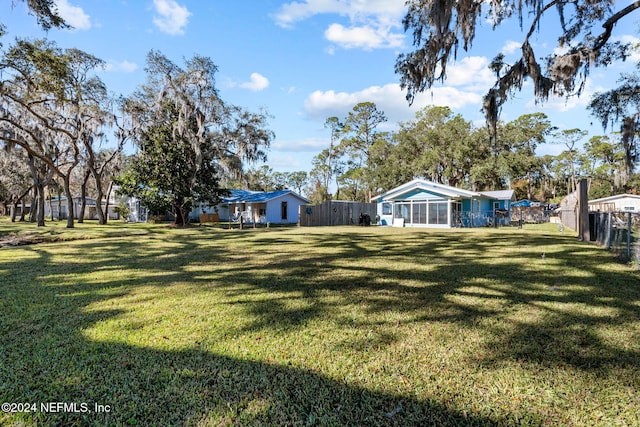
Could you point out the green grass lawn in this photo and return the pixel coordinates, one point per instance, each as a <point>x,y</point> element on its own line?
<point>318,326</point>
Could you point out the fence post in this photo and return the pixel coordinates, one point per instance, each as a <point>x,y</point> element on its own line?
<point>629,235</point>
<point>583,211</point>
<point>608,235</point>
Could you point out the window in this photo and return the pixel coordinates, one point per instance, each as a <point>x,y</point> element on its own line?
<point>386,208</point>
<point>496,205</point>
<point>443,211</point>
<point>283,210</point>
<point>402,211</point>
<point>438,212</point>
<point>419,213</point>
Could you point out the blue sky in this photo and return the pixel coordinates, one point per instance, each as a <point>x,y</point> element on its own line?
<point>304,61</point>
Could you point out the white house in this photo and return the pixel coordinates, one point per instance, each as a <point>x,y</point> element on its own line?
<point>620,202</point>
<point>138,212</point>
<point>57,208</point>
<point>421,203</point>
<point>275,207</point>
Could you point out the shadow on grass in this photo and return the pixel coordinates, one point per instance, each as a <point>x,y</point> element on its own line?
<point>46,357</point>
<point>197,388</point>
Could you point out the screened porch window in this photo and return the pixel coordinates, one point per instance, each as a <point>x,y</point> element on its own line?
<point>438,213</point>
<point>403,210</point>
<point>422,212</point>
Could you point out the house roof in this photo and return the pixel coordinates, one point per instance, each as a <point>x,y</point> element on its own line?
<point>433,187</point>
<point>248,196</point>
<point>616,197</point>
<point>499,195</point>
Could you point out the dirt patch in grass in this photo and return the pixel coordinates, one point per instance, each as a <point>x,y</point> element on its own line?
<point>27,239</point>
<point>57,234</point>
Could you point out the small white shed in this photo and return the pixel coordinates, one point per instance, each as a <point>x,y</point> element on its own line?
<point>617,203</point>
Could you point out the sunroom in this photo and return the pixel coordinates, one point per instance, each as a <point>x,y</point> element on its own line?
<point>422,203</point>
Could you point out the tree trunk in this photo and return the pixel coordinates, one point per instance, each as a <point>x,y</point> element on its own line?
<point>23,210</point>
<point>14,209</point>
<point>67,191</point>
<point>181,214</point>
<point>50,203</point>
<point>41,176</point>
<point>179,220</point>
<point>101,216</point>
<point>97,178</point>
<point>36,212</point>
<point>106,204</point>
<point>40,202</point>
<point>34,204</point>
<point>14,205</point>
<point>59,204</point>
<point>628,135</point>
<point>83,196</point>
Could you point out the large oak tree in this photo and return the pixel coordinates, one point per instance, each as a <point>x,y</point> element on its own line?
<point>441,27</point>
<point>51,106</point>
<point>189,140</point>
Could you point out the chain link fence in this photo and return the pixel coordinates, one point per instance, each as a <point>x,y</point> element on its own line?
<point>486,218</point>
<point>617,231</point>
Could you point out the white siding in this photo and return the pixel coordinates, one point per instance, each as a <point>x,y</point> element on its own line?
<point>623,203</point>
<point>629,204</point>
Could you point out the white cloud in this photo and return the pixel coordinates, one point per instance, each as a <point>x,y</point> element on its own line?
<point>172,18</point>
<point>390,99</point>
<point>73,15</point>
<point>371,23</point>
<point>510,47</point>
<point>257,83</point>
<point>293,12</point>
<point>122,66</point>
<point>285,163</point>
<point>357,10</point>
<point>471,71</point>
<point>365,37</point>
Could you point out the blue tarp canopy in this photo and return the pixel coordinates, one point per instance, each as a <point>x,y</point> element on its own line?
<point>526,203</point>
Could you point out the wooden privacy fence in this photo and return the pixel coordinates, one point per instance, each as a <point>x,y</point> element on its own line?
<point>569,211</point>
<point>336,212</point>
<point>214,217</point>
